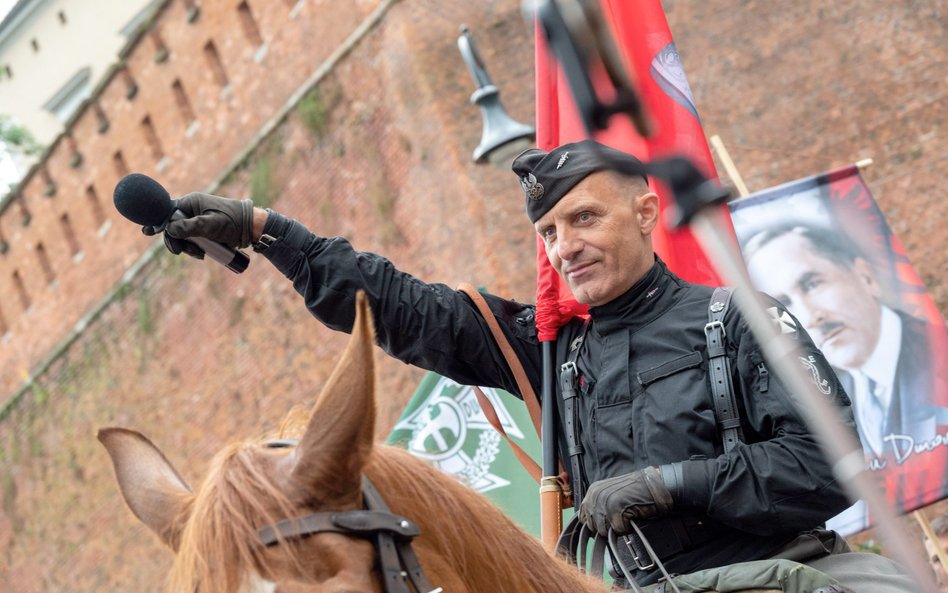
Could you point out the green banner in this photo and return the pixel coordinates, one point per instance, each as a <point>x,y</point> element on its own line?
<point>444,425</point>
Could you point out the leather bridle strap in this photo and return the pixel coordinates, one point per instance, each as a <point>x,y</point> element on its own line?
<point>391,533</point>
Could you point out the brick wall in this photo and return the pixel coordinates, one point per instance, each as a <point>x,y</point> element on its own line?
<point>183,138</point>
<point>378,152</point>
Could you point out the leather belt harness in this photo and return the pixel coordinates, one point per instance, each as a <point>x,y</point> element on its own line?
<point>391,534</point>
<point>676,534</point>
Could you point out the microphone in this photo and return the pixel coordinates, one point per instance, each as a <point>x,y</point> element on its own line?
<point>144,201</point>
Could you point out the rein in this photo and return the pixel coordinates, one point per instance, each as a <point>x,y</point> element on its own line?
<point>391,534</point>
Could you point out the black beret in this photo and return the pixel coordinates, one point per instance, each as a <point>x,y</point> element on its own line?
<point>547,176</point>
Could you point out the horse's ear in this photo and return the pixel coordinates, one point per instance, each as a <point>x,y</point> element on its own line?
<point>339,436</point>
<point>152,488</point>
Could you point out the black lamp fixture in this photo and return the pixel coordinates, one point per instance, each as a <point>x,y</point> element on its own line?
<point>501,135</point>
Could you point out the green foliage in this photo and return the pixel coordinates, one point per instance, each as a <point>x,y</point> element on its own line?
<point>382,199</point>
<point>237,311</point>
<point>145,317</point>
<point>314,112</point>
<point>261,183</point>
<point>40,395</point>
<point>18,138</point>
<point>9,494</point>
<point>122,290</point>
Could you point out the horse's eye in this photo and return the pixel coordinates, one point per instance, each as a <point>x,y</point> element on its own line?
<point>281,443</point>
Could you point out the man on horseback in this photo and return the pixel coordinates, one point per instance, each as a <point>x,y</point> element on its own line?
<point>646,443</point>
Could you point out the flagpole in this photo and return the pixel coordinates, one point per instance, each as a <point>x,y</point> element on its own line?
<point>551,490</point>
<point>732,172</point>
<point>926,526</point>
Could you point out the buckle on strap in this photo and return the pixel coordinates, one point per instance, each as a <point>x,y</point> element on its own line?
<point>638,552</point>
<point>715,334</point>
<point>569,377</point>
<point>714,326</point>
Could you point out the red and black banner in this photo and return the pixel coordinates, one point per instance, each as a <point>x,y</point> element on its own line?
<point>645,43</point>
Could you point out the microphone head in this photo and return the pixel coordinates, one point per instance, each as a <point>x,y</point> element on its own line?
<point>143,200</point>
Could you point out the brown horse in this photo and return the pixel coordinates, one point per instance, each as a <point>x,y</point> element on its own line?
<point>466,544</point>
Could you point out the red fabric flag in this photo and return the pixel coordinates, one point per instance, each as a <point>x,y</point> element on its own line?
<point>644,41</point>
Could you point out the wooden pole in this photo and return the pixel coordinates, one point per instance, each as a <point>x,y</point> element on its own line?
<point>934,539</point>
<point>718,145</point>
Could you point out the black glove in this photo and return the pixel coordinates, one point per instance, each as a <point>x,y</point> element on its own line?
<point>613,502</point>
<point>222,220</point>
<point>176,246</point>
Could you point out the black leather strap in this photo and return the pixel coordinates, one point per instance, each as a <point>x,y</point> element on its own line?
<point>569,388</point>
<point>722,390</point>
<point>403,563</point>
<point>392,535</point>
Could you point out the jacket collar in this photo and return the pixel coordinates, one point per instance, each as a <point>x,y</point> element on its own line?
<point>646,300</point>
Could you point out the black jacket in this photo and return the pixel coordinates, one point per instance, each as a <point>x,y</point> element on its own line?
<point>646,398</point>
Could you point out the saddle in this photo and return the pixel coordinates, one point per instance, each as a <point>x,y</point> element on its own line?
<point>594,554</point>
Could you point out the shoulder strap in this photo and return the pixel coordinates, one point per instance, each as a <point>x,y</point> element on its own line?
<point>722,391</point>
<point>562,491</point>
<point>531,466</point>
<point>526,390</point>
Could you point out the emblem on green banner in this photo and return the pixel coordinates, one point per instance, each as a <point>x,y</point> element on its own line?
<point>447,428</point>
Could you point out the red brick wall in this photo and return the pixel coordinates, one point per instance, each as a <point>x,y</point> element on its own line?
<point>228,119</point>
<point>196,356</point>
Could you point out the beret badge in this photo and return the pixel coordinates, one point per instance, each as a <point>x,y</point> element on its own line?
<point>532,188</point>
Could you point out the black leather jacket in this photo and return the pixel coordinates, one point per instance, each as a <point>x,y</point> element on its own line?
<point>645,399</point>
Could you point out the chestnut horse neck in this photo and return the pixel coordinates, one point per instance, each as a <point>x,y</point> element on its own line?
<point>466,542</point>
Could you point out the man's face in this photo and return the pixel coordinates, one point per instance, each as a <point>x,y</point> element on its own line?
<point>838,306</point>
<point>597,237</point>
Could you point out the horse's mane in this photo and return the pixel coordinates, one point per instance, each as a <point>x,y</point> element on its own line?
<point>473,536</point>
<point>226,511</point>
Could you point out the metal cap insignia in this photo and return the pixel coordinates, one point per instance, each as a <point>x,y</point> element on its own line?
<point>532,188</point>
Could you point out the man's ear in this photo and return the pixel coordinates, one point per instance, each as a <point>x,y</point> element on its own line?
<point>646,212</point>
<point>867,276</point>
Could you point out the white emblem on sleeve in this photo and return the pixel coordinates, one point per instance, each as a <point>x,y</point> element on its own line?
<point>782,320</point>
<point>822,384</point>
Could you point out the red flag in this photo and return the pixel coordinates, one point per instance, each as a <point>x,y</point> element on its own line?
<point>644,41</point>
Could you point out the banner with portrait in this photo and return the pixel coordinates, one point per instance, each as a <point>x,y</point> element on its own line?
<point>822,247</point>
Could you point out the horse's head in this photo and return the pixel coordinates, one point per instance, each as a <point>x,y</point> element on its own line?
<point>214,529</point>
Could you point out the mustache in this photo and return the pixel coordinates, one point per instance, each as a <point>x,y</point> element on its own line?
<point>828,327</point>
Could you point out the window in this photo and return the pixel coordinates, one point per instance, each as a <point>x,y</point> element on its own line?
<point>69,234</point>
<point>151,137</point>
<point>70,96</point>
<point>161,50</point>
<point>45,264</point>
<point>182,101</point>
<point>21,290</point>
<point>25,215</point>
<point>100,115</point>
<point>214,63</point>
<point>121,167</point>
<point>95,205</point>
<point>249,24</point>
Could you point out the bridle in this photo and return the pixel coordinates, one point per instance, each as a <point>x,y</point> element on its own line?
<point>392,535</point>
